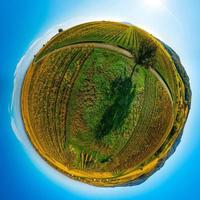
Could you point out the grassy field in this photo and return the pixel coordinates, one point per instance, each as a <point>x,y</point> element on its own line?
<point>89,117</point>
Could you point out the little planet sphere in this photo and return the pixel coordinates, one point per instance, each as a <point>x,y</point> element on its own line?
<point>105,103</point>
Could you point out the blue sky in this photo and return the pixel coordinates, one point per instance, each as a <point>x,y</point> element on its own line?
<point>23,21</point>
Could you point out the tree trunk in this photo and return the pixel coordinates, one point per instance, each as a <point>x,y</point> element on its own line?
<point>133,69</point>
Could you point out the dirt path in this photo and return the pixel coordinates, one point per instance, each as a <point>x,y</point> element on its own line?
<point>112,48</point>
<point>153,71</point>
<point>92,45</point>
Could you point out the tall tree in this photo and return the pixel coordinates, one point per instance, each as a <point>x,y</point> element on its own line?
<point>145,54</point>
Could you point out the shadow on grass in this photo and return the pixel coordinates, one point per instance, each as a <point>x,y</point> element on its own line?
<point>123,92</point>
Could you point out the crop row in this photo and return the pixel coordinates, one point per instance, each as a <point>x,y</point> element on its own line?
<point>86,32</point>
<point>149,130</point>
<point>49,81</point>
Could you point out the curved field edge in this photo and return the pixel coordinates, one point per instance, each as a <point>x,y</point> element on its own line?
<point>182,72</point>
<point>175,136</point>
